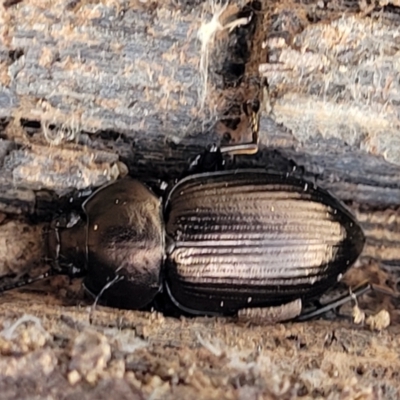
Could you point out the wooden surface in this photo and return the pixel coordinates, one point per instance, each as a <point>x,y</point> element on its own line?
<point>90,91</point>
<point>68,352</point>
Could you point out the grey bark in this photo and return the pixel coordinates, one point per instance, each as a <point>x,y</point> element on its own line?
<point>88,87</point>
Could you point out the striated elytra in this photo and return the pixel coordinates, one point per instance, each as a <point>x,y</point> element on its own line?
<point>221,243</point>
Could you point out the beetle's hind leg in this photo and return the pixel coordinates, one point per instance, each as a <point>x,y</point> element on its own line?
<point>352,296</point>
<point>271,315</point>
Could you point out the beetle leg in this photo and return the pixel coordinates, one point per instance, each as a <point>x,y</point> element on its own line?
<point>238,149</point>
<point>271,315</point>
<point>70,203</point>
<point>25,282</point>
<point>352,296</point>
<point>97,298</point>
<point>212,159</point>
<point>79,195</point>
<point>251,109</point>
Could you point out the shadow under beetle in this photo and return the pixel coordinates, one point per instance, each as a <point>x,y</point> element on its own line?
<point>242,242</point>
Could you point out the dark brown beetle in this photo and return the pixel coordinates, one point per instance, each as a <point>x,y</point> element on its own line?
<point>224,243</point>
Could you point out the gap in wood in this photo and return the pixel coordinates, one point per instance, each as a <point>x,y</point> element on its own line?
<point>234,87</point>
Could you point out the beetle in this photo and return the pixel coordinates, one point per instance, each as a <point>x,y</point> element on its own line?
<point>243,242</point>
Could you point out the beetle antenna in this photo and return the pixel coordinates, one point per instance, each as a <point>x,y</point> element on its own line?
<point>25,282</point>
<point>352,296</point>
<point>116,279</point>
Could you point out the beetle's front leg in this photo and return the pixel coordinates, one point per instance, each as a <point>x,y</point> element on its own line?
<point>271,315</point>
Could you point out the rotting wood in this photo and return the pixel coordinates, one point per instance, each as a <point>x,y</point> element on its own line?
<point>20,245</point>
<point>90,85</point>
<point>98,84</point>
<point>123,78</point>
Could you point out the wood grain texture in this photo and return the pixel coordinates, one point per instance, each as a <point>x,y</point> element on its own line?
<point>130,67</point>
<point>122,78</point>
<point>333,87</point>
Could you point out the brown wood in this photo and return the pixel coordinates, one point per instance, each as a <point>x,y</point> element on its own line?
<point>92,90</point>
<point>64,355</point>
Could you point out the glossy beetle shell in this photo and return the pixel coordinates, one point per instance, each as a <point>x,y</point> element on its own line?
<point>251,239</point>
<point>124,241</point>
<point>232,240</point>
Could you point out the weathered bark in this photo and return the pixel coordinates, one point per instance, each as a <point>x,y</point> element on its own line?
<point>334,85</point>
<point>129,77</point>
<point>85,86</point>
